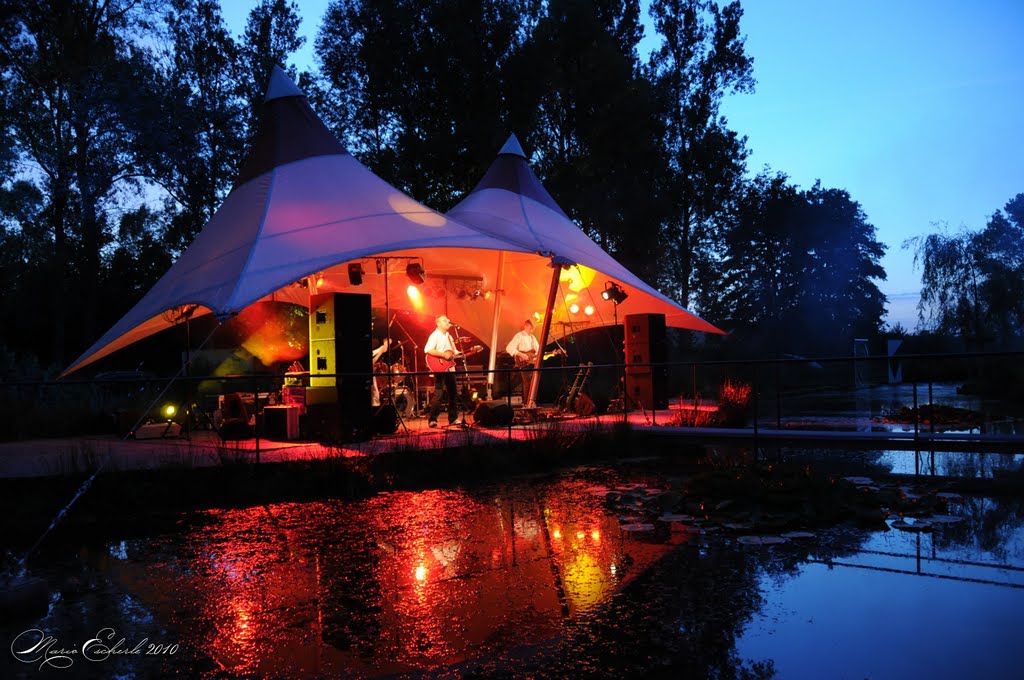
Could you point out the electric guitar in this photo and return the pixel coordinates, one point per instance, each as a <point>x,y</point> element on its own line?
<point>532,354</point>
<point>440,365</point>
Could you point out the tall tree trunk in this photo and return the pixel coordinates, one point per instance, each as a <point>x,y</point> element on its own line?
<point>59,266</point>
<point>91,240</point>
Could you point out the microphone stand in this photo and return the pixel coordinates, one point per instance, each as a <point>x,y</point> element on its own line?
<point>415,369</point>
<point>461,399</point>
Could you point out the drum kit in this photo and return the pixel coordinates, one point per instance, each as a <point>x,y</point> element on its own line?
<point>397,390</point>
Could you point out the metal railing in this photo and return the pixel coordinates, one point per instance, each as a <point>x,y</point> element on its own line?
<point>820,394</point>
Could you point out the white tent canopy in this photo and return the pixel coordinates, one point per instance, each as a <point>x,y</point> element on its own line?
<point>512,205</point>
<point>303,207</point>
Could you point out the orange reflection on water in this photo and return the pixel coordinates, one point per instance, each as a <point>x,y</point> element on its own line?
<point>400,582</point>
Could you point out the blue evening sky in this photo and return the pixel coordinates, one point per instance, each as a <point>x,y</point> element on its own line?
<point>916,107</point>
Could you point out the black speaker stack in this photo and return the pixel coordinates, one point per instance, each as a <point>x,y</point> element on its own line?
<point>340,368</point>
<point>646,343</point>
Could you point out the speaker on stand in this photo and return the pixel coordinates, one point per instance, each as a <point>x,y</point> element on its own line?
<point>646,343</point>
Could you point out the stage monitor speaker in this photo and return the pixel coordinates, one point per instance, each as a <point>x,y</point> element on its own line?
<point>494,413</point>
<point>385,419</point>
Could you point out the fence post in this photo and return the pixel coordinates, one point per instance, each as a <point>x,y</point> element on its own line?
<point>778,394</point>
<point>917,447</point>
<point>931,428</point>
<point>256,419</point>
<point>756,388</point>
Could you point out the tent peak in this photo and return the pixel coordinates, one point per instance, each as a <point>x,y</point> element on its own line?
<point>512,147</point>
<point>281,85</point>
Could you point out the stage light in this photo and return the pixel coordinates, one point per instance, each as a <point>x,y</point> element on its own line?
<point>169,410</point>
<point>319,280</point>
<point>574,308</point>
<point>355,274</point>
<point>536,316</point>
<point>414,270</point>
<point>487,294</point>
<point>589,310</point>
<point>612,291</point>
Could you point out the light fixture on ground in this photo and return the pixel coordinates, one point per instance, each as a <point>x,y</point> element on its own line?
<point>613,291</point>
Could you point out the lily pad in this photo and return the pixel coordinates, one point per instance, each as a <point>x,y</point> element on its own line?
<point>637,527</point>
<point>798,535</point>
<point>859,481</point>
<point>761,540</point>
<point>674,517</point>
<point>945,519</point>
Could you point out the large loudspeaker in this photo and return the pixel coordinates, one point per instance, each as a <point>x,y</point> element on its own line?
<point>340,356</point>
<point>494,413</point>
<point>645,342</point>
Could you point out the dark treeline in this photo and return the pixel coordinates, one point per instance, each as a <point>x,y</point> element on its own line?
<point>124,121</point>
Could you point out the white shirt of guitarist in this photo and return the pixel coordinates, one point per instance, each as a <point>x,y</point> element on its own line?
<point>440,341</point>
<point>523,341</point>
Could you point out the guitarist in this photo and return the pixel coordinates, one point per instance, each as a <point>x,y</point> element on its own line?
<point>523,347</point>
<point>441,346</point>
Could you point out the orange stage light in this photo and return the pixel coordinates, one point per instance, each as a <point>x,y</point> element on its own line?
<point>589,310</point>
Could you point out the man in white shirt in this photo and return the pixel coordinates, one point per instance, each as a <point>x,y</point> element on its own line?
<point>523,347</point>
<point>441,346</point>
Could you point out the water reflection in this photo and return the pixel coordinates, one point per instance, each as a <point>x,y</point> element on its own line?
<point>399,582</point>
<point>544,578</point>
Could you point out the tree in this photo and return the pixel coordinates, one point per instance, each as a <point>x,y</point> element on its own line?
<point>417,90</point>
<point>193,151</point>
<point>594,125</point>
<point>799,269</point>
<point>972,282</point>
<point>71,66</point>
<point>701,59</point>
<point>271,35</point>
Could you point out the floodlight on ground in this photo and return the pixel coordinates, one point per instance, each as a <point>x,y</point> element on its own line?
<point>613,291</point>
<point>415,272</point>
<point>355,274</point>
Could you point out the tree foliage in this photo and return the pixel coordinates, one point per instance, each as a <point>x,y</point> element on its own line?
<point>972,282</point>
<point>123,123</point>
<point>799,270</point>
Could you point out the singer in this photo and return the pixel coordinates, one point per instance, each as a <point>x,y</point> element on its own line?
<point>441,355</point>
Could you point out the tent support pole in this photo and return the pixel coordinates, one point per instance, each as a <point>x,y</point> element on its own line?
<point>498,291</point>
<point>538,361</point>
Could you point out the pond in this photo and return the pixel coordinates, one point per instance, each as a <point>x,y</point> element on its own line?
<point>580,573</point>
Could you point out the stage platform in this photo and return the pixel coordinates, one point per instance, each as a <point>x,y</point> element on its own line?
<point>55,457</point>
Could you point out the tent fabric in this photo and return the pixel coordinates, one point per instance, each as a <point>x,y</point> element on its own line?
<point>511,204</point>
<point>304,208</point>
<point>302,204</point>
